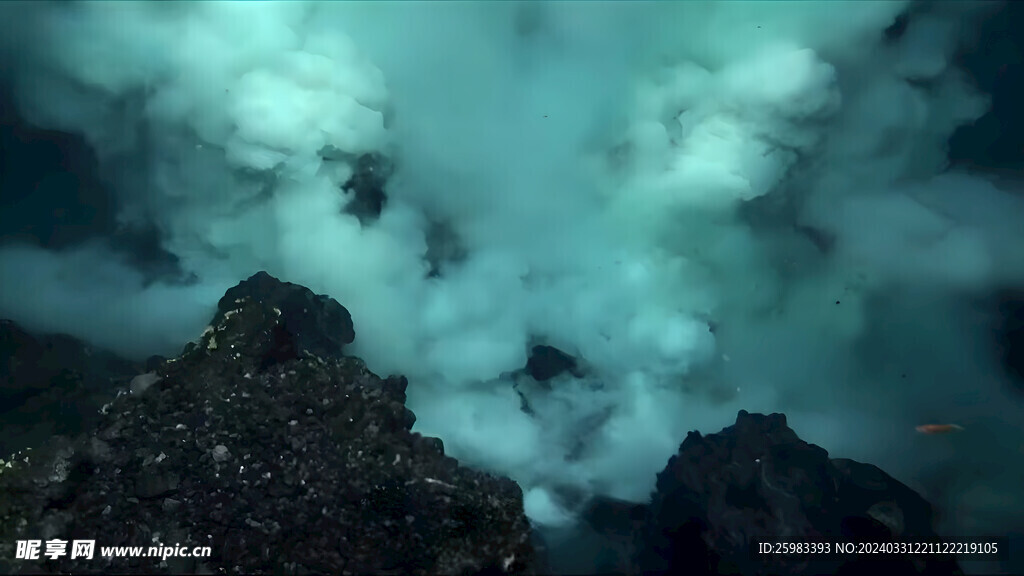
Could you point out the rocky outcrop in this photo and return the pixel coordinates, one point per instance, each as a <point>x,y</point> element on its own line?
<point>266,443</point>
<point>269,444</point>
<point>757,482</point>
<point>547,362</point>
<point>544,363</point>
<point>300,322</point>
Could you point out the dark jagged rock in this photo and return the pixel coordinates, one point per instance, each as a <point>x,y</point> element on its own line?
<point>52,384</point>
<point>547,362</point>
<point>303,465</point>
<point>303,321</point>
<point>756,481</point>
<point>543,364</point>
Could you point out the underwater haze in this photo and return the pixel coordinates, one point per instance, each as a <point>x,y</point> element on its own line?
<point>804,207</point>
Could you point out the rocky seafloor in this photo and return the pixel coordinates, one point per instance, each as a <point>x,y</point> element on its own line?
<point>268,443</point>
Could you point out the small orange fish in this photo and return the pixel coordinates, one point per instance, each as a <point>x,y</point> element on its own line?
<point>938,428</point>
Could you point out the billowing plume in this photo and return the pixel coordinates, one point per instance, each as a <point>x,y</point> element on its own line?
<point>713,206</point>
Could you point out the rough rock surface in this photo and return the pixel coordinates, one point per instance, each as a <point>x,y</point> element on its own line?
<point>266,443</point>
<point>756,481</point>
<point>303,321</point>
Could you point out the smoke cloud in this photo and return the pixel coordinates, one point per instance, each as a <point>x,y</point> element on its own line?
<point>713,206</point>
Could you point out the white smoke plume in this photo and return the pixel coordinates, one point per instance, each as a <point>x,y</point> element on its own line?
<point>620,177</point>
